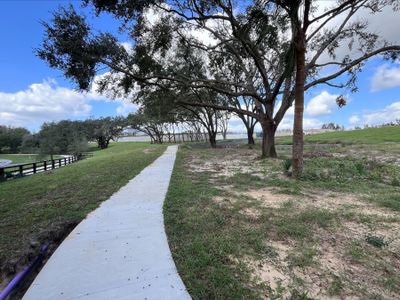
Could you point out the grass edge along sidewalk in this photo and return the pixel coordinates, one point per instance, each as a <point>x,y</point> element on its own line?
<point>45,207</point>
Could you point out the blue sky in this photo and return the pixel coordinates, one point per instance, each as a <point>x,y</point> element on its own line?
<point>24,76</point>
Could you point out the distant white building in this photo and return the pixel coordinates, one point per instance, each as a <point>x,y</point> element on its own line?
<point>129,132</point>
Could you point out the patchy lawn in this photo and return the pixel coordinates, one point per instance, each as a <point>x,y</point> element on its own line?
<point>45,207</point>
<point>241,229</point>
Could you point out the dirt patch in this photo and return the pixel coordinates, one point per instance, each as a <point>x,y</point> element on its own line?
<point>346,201</point>
<point>334,266</point>
<point>251,212</point>
<point>148,150</point>
<point>270,274</point>
<point>223,200</point>
<point>227,163</point>
<point>268,197</point>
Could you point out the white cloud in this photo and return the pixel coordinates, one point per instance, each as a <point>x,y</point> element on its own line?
<point>308,123</point>
<point>112,91</point>
<point>384,29</point>
<point>354,120</point>
<point>42,102</point>
<point>376,117</point>
<point>385,77</point>
<point>321,105</point>
<point>128,46</point>
<point>47,101</point>
<point>126,108</point>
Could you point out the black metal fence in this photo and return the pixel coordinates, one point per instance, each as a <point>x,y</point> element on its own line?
<point>24,169</point>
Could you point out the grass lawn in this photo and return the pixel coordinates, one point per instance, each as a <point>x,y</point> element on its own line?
<point>389,134</point>
<point>241,229</point>
<point>26,158</point>
<point>43,208</point>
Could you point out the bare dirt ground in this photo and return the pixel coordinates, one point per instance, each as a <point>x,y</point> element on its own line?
<point>328,243</point>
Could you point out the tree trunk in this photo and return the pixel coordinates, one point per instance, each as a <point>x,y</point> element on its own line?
<point>102,142</point>
<point>298,143</point>
<point>268,139</point>
<point>213,139</point>
<point>250,138</point>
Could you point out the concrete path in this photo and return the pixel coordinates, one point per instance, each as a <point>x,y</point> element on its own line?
<point>120,250</point>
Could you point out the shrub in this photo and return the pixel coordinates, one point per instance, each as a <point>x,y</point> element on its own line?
<point>287,164</point>
<point>376,241</point>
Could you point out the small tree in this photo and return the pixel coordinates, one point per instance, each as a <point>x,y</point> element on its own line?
<point>155,128</point>
<point>104,130</point>
<point>64,137</point>
<point>224,122</point>
<point>248,121</point>
<point>50,140</point>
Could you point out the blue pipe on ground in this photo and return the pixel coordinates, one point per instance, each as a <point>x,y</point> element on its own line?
<point>18,278</point>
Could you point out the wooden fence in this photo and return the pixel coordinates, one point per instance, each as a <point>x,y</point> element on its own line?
<point>185,137</point>
<point>24,169</point>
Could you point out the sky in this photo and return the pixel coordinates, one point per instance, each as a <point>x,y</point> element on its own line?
<point>32,93</point>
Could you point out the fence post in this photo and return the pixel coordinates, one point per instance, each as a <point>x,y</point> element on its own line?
<point>65,161</point>
<point>45,165</point>
<point>34,168</point>
<point>59,162</point>
<point>21,170</point>
<point>53,164</point>
<point>2,174</point>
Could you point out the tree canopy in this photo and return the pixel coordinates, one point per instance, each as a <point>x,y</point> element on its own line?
<point>240,50</point>
<point>11,138</point>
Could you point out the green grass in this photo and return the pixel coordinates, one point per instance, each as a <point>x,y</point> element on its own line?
<point>389,134</point>
<point>26,158</point>
<point>303,256</point>
<point>44,207</point>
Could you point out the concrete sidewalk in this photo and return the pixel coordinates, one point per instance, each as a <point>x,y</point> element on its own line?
<point>120,250</point>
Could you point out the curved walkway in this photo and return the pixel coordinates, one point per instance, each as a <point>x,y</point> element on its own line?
<point>120,251</point>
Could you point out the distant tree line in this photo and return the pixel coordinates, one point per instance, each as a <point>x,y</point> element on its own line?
<point>387,124</point>
<point>63,137</point>
<point>158,121</point>
<point>11,138</point>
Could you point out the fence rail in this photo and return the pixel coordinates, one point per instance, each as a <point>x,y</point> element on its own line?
<point>24,169</point>
<point>185,137</point>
